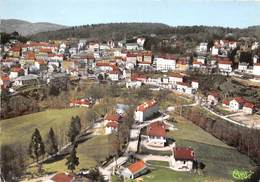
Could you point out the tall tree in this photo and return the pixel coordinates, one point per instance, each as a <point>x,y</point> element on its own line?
<point>36,147</point>
<point>78,124</point>
<point>72,160</point>
<point>74,129</point>
<point>51,143</point>
<point>12,162</point>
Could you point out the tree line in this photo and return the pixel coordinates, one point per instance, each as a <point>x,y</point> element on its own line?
<point>246,140</point>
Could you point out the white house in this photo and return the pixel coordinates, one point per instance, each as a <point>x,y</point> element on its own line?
<point>184,88</point>
<point>225,66</point>
<point>15,72</point>
<point>203,47</point>
<point>175,77</point>
<point>237,103</point>
<point>135,170</point>
<point>146,110</point>
<point>132,46</point>
<point>182,159</point>
<point>111,127</point>
<point>195,84</point>
<point>213,98</point>
<point>131,58</point>
<point>93,46</point>
<point>248,108</point>
<point>156,134</point>
<point>214,50</point>
<point>242,66</point>
<point>165,63</point>
<point>256,69</point>
<point>114,75</point>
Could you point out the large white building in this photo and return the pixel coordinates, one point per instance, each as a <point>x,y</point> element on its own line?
<point>225,66</point>
<point>165,63</point>
<point>146,110</point>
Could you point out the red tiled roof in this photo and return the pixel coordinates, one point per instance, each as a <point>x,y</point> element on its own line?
<point>182,61</point>
<point>181,153</point>
<point>146,105</point>
<point>45,50</point>
<point>41,61</point>
<point>15,49</point>
<point>62,177</point>
<point>16,69</point>
<point>5,78</point>
<point>112,124</point>
<point>80,101</point>
<point>257,64</point>
<point>240,100</point>
<point>197,62</point>
<point>112,117</point>
<point>130,54</point>
<point>138,77</point>
<point>156,129</point>
<point>224,62</point>
<point>136,166</point>
<point>249,105</point>
<point>214,93</point>
<point>226,102</point>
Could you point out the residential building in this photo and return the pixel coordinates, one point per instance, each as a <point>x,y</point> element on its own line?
<point>237,103</point>
<point>16,72</point>
<point>111,127</point>
<point>225,66</point>
<point>114,75</point>
<point>213,98</point>
<point>80,103</point>
<point>132,46</point>
<point>156,134</point>
<point>165,63</point>
<point>135,170</point>
<point>242,66</point>
<point>175,77</point>
<point>146,110</point>
<point>182,159</point>
<point>249,108</point>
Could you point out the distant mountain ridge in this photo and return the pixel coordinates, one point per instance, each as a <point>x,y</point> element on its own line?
<point>26,28</point>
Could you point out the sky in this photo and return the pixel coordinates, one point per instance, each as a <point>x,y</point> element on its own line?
<point>228,13</point>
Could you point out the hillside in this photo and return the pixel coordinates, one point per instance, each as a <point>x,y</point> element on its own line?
<point>119,31</point>
<point>26,28</point>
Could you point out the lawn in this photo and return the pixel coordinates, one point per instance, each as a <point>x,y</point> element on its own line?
<point>158,174</point>
<point>89,152</point>
<point>189,131</point>
<point>20,129</point>
<point>219,159</point>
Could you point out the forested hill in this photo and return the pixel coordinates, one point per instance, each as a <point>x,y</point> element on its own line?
<point>118,31</point>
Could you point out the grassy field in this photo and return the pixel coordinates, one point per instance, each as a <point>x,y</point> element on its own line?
<point>20,129</point>
<point>219,159</point>
<point>158,174</point>
<point>89,152</point>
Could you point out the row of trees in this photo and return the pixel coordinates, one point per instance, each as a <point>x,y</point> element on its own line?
<point>246,140</point>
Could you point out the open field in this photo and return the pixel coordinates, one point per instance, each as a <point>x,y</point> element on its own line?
<point>89,152</point>
<point>158,174</point>
<point>20,129</point>
<point>219,159</point>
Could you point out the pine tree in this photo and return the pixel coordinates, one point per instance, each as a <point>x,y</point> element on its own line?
<point>73,130</point>
<point>78,124</point>
<point>51,143</point>
<point>72,160</point>
<point>36,147</point>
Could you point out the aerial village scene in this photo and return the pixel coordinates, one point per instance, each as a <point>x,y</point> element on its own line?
<point>131,101</point>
